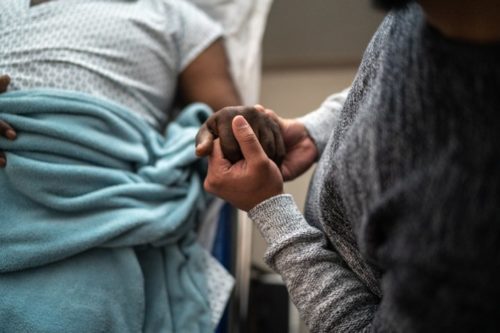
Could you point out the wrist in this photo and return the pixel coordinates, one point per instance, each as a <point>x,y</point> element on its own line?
<point>277,218</point>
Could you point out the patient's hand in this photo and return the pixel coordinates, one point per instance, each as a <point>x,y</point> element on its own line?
<point>4,82</point>
<point>219,126</point>
<point>6,131</point>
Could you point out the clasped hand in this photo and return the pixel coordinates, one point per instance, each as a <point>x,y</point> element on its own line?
<point>253,174</point>
<point>218,125</point>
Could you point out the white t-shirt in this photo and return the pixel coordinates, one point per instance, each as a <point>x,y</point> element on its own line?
<point>128,51</point>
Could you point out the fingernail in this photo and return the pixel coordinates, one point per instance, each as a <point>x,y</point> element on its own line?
<point>10,134</point>
<point>240,122</point>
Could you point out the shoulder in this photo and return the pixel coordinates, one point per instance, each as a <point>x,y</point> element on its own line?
<point>178,7</point>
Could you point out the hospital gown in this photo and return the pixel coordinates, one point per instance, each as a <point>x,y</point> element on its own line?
<point>130,52</point>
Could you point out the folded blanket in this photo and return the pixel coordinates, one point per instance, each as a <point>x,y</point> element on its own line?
<point>97,217</point>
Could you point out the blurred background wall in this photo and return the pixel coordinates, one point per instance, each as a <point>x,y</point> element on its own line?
<point>318,33</point>
<point>311,49</point>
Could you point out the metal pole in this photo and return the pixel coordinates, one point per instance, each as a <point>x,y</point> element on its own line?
<point>242,270</point>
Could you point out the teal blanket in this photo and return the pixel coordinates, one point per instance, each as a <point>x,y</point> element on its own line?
<point>97,218</point>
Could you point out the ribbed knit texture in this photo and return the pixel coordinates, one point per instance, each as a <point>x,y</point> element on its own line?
<point>402,231</point>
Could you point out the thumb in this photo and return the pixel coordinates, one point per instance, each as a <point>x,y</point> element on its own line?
<point>249,144</point>
<point>204,141</point>
<point>217,153</point>
<point>216,160</point>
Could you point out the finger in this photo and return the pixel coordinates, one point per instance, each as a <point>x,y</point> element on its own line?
<point>268,132</point>
<point>214,160</point>
<point>229,145</point>
<point>217,164</point>
<point>204,141</point>
<point>7,131</point>
<point>271,114</point>
<point>3,160</point>
<point>259,108</point>
<point>217,153</point>
<point>250,147</point>
<point>266,139</point>
<point>279,145</point>
<point>4,82</point>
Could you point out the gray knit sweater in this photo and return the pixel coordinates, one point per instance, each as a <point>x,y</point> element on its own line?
<point>402,225</point>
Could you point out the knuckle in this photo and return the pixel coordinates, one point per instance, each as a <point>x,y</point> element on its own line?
<point>213,182</point>
<point>248,109</point>
<point>261,163</point>
<point>229,111</point>
<point>208,186</point>
<point>223,110</point>
<point>250,113</point>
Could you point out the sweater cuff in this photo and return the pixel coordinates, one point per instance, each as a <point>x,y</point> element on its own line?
<point>277,218</point>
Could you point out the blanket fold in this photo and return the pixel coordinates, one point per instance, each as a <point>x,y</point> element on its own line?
<point>87,181</point>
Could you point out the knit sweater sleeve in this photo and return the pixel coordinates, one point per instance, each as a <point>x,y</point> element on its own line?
<point>320,122</point>
<point>439,269</point>
<point>329,296</point>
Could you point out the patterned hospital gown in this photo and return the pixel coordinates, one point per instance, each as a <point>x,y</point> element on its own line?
<point>129,51</point>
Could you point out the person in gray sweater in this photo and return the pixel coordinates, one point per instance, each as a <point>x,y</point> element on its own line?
<point>401,231</point>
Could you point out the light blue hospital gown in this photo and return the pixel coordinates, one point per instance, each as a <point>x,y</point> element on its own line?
<point>128,51</point>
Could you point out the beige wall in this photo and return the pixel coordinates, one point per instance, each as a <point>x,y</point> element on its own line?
<point>318,32</point>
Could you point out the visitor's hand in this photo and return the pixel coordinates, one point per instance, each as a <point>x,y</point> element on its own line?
<point>219,126</point>
<point>250,180</point>
<point>301,151</point>
<point>6,131</point>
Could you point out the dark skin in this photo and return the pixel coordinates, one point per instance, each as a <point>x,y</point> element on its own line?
<point>208,79</point>
<point>37,2</point>
<point>219,126</point>
<point>6,130</point>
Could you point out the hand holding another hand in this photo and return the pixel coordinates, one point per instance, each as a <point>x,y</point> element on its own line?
<point>219,125</point>
<point>301,151</point>
<point>250,180</point>
<point>285,141</point>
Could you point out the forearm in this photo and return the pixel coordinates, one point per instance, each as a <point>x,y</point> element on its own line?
<point>208,79</point>
<point>329,296</point>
